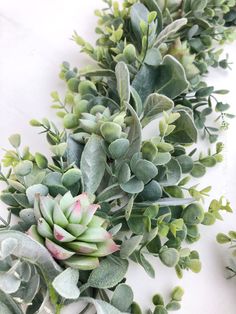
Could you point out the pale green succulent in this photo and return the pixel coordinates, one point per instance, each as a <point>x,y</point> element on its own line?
<point>72,232</point>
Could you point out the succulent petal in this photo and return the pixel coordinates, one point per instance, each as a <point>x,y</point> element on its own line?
<point>88,213</point>
<point>82,247</point>
<point>58,217</point>
<point>57,251</point>
<point>76,229</point>
<point>46,207</point>
<point>66,202</point>
<point>62,235</point>
<point>33,233</point>
<point>96,221</point>
<point>105,248</point>
<point>44,228</point>
<point>95,235</point>
<point>76,213</point>
<point>82,262</point>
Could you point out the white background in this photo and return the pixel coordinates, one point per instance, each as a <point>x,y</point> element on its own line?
<point>34,40</point>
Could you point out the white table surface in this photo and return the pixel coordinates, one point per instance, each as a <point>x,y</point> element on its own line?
<point>34,40</point>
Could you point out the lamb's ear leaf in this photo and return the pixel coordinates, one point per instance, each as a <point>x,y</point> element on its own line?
<point>123,81</point>
<point>66,284</point>
<point>135,134</point>
<point>102,307</point>
<point>37,254</point>
<point>109,273</point>
<point>93,162</point>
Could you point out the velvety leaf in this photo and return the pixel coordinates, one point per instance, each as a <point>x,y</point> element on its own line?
<point>170,30</point>
<point>155,105</point>
<point>163,202</point>
<point>74,151</point>
<point>123,81</point>
<point>138,105</point>
<point>129,246</point>
<point>93,164</point>
<point>66,284</point>
<point>185,131</point>
<point>135,134</point>
<point>122,297</point>
<point>102,307</point>
<point>133,186</point>
<point>109,273</point>
<point>172,79</point>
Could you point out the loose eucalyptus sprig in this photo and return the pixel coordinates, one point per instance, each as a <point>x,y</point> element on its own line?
<point>106,196</point>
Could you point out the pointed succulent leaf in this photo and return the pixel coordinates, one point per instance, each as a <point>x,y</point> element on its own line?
<point>95,235</point>
<point>82,247</point>
<point>76,229</point>
<point>66,284</point>
<point>33,233</point>
<point>66,202</point>
<point>58,217</point>
<point>96,221</point>
<point>57,251</point>
<point>62,235</point>
<point>88,213</point>
<point>82,262</point>
<point>105,248</point>
<point>76,213</point>
<point>46,207</point>
<point>44,228</point>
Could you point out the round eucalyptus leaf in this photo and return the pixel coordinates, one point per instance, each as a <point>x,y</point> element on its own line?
<point>162,158</point>
<point>192,231</point>
<point>209,219</point>
<point>110,131</point>
<point>160,309</point>
<point>36,189</point>
<point>124,173</point>
<point>133,186</point>
<point>186,163</point>
<point>151,192</point>
<point>177,294</point>
<point>53,178</point>
<point>195,265</point>
<point>55,190</point>
<point>172,174</point>
<point>169,257</point>
<point>71,177</point>
<point>122,297</point>
<point>23,168</point>
<point>145,170</point>
<point>173,306</point>
<point>118,148</point>
<point>135,158</point>
<point>198,170</point>
<point>109,273</point>
<point>149,151</point>
<point>209,161</point>
<point>135,308</point>
<point>193,214</point>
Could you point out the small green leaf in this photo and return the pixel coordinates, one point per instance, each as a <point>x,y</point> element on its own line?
<point>15,140</point>
<point>23,168</point>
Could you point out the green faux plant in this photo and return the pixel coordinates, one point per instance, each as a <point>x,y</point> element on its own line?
<point>106,196</point>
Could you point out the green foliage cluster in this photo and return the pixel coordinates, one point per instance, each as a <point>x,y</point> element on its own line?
<point>151,57</point>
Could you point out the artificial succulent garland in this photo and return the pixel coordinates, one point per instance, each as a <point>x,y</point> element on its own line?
<point>107,196</point>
